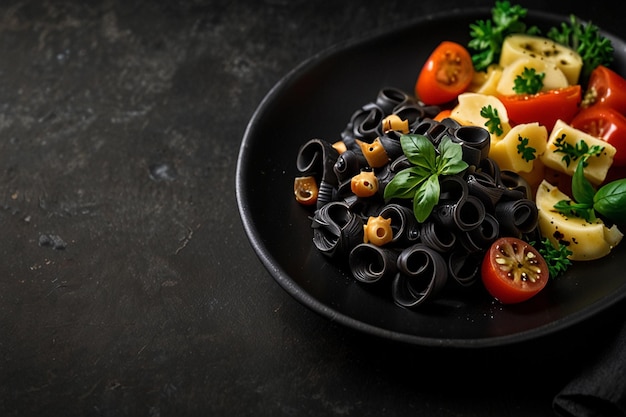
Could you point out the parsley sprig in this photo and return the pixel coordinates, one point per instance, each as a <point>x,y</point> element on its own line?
<point>420,182</point>
<point>527,152</point>
<point>493,123</point>
<point>586,39</point>
<point>557,257</point>
<point>529,81</point>
<point>487,35</point>
<point>581,150</point>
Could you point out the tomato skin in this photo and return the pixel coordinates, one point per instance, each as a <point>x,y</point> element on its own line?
<point>448,72</point>
<point>516,252</point>
<point>606,87</point>
<point>607,124</point>
<point>545,107</point>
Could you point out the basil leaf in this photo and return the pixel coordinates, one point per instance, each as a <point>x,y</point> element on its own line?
<point>405,183</point>
<point>582,190</point>
<point>426,197</point>
<point>419,150</point>
<point>610,201</point>
<point>450,160</point>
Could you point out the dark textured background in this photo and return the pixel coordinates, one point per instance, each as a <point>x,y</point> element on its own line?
<point>127,284</point>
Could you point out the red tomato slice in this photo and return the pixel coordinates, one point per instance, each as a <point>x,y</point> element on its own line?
<point>446,74</point>
<point>513,271</point>
<point>607,124</point>
<point>545,107</point>
<point>606,87</point>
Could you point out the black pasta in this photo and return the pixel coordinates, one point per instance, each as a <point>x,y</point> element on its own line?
<point>422,273</point>
<point>371,264</point>
<point>475,207</point>
<point>336,229</point>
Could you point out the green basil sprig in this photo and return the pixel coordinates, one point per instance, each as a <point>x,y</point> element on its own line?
<point>420,182</point>
<point>609,200</point>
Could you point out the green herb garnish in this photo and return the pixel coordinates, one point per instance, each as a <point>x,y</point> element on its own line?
<point>529,81</point>
<point>609,200</point>
<point>527,152</point>
<point>421,181</point>
<point>493,123</point>
<point>573,152</point>
<point>557,257</point>
<point>585,39</point>
<point>487,36</point>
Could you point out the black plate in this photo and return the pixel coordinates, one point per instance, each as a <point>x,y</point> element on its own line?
<point>316,100</point>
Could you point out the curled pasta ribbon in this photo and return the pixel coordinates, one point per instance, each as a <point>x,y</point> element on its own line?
<point>390,98</point>
<point>437,236</point>
<point>482,236</point>
<point>336,230</point>
<point>317,158</point>
<point>517,217</point>
<point>435,131</point>
<point>404,226</point>
<point>458,209</point>
<point>365,123</point>
<point>464,267</point>
<point>422,273</point>
<point>483,187</point>
<point>475,142</point>
<point>517,186</point>
<point>412,113</point>
<point>370,263</point>
<point>348,164</point>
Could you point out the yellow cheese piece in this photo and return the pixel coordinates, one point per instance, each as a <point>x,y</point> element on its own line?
<point>467,112</point>
<point>486,82</point>
<point>597,166</point>
<point>508,151</point>
<point>586,240</point>
<point>554,78</point>
<point>520,45</point>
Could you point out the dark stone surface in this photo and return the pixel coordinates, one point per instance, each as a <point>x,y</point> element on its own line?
<point>127,284</point>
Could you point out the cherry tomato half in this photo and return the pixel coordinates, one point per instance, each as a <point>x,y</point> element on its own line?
<point>607,124</point>
<point>513,271</point>
<point>545,107</point>
<point>448,72</point>
<point>606,87</point>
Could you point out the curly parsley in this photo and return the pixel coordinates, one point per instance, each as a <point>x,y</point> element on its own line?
<point>557,257</point>
<point>529,81</point>
<point>493,123</point>
<point>487,35</point>
<point>586,39</point>
<point>527,152</point>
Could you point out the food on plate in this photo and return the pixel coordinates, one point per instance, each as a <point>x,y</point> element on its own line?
<point>567,144</point>
<point>520,150</point>
<point>586,239</point>
<point>534,50</point>
<point>449,187</point>
<point>513,270</point>
<point>447,73</point>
